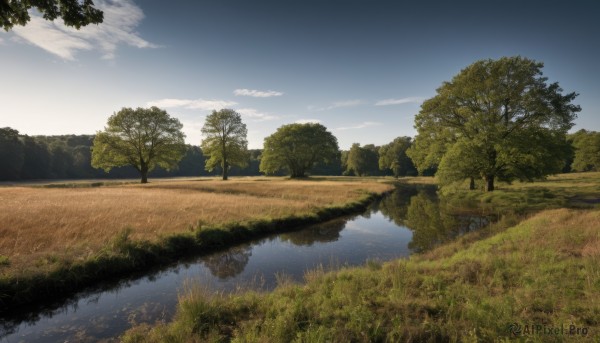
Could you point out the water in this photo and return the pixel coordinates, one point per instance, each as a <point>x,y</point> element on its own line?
<point>411,219</point>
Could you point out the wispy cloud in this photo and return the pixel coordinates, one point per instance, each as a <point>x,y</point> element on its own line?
<point>255,114</point>
<point>200,104</point>
<point>338,104</point>
<point>359,126</point>
<point>409,100</point>
<point>120,20</point>
<point>209,105</point>
<point>256,93</point>
<point>306,121</point>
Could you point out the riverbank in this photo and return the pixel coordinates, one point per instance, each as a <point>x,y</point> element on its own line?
<point>61,240</point>
<point>537,280</point>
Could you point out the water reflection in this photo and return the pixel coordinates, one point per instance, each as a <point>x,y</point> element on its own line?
<point>326,232</point>
<point>229,263</point>
<point>428,216</point>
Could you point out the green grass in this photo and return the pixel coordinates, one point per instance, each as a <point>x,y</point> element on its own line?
<point>575,190</point>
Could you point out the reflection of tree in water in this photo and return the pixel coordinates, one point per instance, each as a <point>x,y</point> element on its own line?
<point>395,205</point>
<point>431,224</point>
<point>418,208</point>
<point>228,263</point>
<point>325,232</point>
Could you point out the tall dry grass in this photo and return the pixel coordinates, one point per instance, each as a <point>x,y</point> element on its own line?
<point>38,225</point>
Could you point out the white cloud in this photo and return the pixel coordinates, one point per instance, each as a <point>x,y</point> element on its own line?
<point>120,20</point>
<point>255,114</point>
<point>359,126</point>
<point>338,104</point>
<point>306,121</point>
<point>387,102</point>
<point>256,93</point>
<point>209,105</point>
<point>201,104</point>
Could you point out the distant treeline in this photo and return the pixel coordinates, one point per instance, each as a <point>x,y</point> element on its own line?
<point>69,157</point>
<point>25,157</point>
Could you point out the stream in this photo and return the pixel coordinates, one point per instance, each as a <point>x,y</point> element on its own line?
<point>411,219</point>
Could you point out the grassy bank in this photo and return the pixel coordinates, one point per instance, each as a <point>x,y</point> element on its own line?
<point>58,240</point>
<point>544,271</point>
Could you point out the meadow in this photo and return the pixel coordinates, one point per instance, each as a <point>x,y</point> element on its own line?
<point>534,276</point>
<point>48,228</point>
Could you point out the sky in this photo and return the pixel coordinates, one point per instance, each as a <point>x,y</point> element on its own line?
<point>361,68</point>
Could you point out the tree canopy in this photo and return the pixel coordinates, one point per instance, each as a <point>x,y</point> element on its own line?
<point>498,119</point>
<point>393,156</point>
<point>225,141</point>
<point>74,13</point>
<point>143,138</point>
<point>11,154</point>
<point>587,150</point>
<point>363,161</point>
<point>297,148</point>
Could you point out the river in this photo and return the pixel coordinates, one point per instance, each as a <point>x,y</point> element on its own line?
<point>409,220</point>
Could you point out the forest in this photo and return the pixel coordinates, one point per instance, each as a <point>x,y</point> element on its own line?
<point>24,157</point>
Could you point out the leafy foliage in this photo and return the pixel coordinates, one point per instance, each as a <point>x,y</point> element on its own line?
<point>11,153</point>
<point>393,156</point>
<point>298,148</point>
<point>587,151</point>
<point>73,12</point>
<point>225,141</point>
<point>363,161</point>
<point>498,119</point>
<point>142,138</point>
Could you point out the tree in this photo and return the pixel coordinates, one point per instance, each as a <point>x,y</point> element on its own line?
<point>500,108</point>
<point>143,138</point>
<point>61,161</point>
<point>11,154</point>
<point>75,13</point>
<point>363,161</point>
<point>587,150</point>
<point>297,148</point>
<point>225,141</point>
<point>393,156</point>
<point>37,159</point>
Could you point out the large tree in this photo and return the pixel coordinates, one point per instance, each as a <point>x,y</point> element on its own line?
<point>507,113</point>
<point>225,141</point>
<point>75,13</point>
<point>143,138</point>
<point>297,148</point>
<point>393,156</point>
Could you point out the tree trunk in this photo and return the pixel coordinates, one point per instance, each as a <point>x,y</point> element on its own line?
<point>472,183</point>
<point>144,172</point>
<point>225,170</point>
<point>489,183</point>
<point>297,173</point>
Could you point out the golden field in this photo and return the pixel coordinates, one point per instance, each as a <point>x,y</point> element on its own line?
<point>39,225</point>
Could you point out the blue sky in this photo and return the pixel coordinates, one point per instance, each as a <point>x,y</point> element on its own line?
<point>361,68</point>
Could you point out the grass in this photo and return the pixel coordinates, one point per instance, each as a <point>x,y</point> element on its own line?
<point>574,190</point>
<point>58,239</point>
<point>538,274</point>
